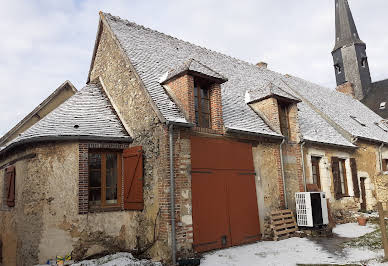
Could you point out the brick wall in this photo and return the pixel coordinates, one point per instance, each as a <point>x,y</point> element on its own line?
<point>270,110</point>
<point>346,88</point>
<point>181,89</point>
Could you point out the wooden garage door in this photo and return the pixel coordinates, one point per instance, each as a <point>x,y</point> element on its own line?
<point>224,199</point>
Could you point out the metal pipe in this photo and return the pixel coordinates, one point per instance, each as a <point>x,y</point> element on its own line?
<point>283,178</point>
<point>303,167</point>
<point>172,195</point>
<point>381,156</point>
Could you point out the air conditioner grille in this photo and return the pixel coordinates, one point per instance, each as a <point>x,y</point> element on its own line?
<point>301,209</point>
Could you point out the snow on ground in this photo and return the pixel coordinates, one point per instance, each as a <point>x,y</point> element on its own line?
<point>118,259</point>
<point>353,230</point>
<point>295,250</point>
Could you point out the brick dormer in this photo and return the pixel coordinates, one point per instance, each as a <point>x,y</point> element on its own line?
<point>196,89</point>
<point>277,108</point>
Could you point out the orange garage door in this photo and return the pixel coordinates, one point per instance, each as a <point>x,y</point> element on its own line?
<point>224,199</point>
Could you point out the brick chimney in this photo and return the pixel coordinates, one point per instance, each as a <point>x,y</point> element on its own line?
<point>347,88</point>
<point>262,65</point>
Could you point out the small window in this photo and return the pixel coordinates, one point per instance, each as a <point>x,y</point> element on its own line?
<point>202,104</point>
<point>104,179</point>
<point>284,119</point>
<point>338,68</point>
<point>382,126</point>
<point>364,61</point>
<point>382,105</point>
<point>358,120</point>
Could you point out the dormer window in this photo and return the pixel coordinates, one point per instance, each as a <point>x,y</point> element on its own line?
<point>284,119</point>
<point>202,104</point>
<point>382,105</point>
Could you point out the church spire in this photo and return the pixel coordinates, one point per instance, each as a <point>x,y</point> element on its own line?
<point>345,28</point>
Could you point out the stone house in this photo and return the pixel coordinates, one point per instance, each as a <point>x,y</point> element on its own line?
<point>237,141</point>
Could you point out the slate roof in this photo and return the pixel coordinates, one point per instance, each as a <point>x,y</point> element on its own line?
<point>340,108</point>
<point>315,129</point>
<point>153,54</point>
<point>269,90</point>
<point>88,114</point>
<point>64,86</point>
<point>192,65</point>
<point>345,28</point>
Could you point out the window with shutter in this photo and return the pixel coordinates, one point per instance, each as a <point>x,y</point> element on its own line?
<point>10,185</point>
<point>133,178</point>
<point>104,179</point>
<point>353,167</point>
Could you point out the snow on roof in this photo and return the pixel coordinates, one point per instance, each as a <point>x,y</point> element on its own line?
<point>87,114</point>
<point>348,113</point>
<point>193,66</point>
<point>269,89</point>
<point>153,54</point>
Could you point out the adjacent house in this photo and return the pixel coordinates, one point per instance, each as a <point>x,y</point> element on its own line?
<point>168,131</point>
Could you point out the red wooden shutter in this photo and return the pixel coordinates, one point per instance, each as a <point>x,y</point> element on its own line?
<point>133,178</point>
<point>353,167</point>
<point>10,185</point>
<point>336,177</point>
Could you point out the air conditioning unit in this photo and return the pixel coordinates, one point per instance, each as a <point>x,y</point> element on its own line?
<point>311,209</point>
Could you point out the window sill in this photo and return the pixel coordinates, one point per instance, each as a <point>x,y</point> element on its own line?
<point>106,209</point>
<point>206,130</point>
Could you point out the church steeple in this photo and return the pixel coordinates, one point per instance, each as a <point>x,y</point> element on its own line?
<point>349,53</point>
<point>345,28</point>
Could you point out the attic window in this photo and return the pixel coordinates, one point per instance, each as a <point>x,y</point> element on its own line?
<point>358,120</point>
<point>202,104</point>
<point>382,105</point>
<point>382,126</point>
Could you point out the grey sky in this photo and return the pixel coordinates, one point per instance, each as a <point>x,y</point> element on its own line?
<point>46,42</point>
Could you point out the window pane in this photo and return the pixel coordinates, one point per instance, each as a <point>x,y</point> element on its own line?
<point>196,92</point>
<point>95,197</point>
<point>197,118</point>
<point>94,170</point>
<point>196,103</point>
<point>205,120</point>
<point>204,93</point>
<point>111,178</point>
<point>205,106</point>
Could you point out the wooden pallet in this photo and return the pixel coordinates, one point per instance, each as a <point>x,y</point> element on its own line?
<point>283,224</point>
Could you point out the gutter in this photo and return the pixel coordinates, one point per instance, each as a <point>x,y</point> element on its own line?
<point>231,130</point>
<point>172,193</point>
<point>64,138</point>
<point>303,167</point>
<point>381,156</point>
<point>283,178</point>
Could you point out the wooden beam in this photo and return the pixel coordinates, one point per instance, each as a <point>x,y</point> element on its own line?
<point>383,227</point>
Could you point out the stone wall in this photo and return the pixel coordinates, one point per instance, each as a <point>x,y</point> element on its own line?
<point>131,101</point>
<point>367,167</point>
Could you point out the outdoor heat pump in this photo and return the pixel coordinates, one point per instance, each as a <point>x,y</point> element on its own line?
<point>311,209</point>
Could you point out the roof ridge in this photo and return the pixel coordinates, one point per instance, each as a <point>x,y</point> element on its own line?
<point>187,42</point>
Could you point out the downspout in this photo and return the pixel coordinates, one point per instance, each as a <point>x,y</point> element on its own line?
<point>381,156</point>
<point>303,167</point>
<point>172,194</point>
<point>283,178</point>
